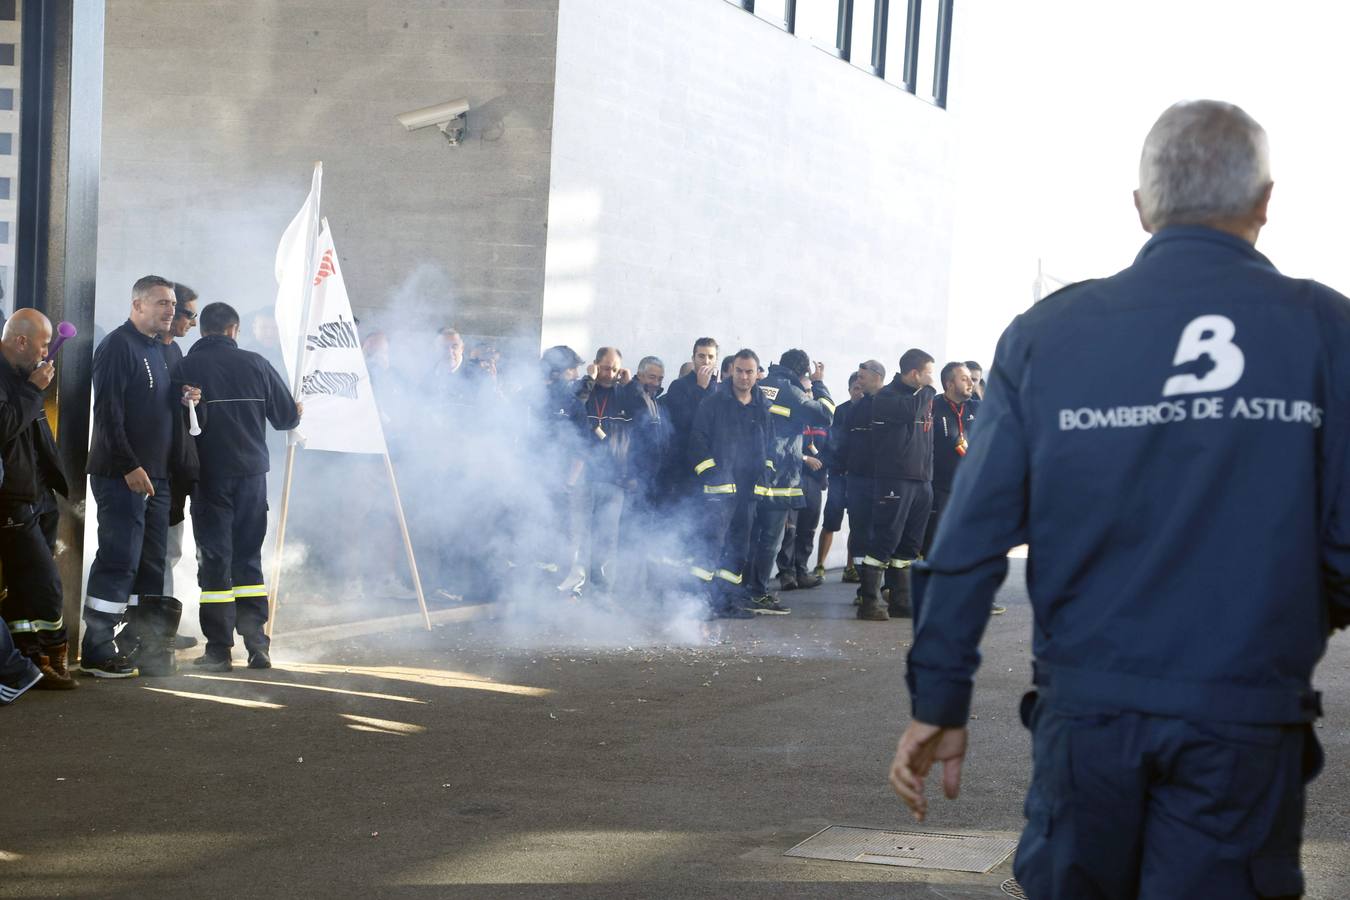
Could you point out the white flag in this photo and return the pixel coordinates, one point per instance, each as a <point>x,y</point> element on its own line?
<point>294,273</point>
<point>340,410</point>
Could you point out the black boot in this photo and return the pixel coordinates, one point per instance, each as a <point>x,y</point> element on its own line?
<point>869,593</point>
<point>157,620</point>
<point>897,592</point>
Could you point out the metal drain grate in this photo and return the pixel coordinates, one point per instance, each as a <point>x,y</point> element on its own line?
<point>913,849</point>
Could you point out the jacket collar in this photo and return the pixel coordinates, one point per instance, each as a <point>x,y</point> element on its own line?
<point>1188,238</point>
<point>213,341</point>
<point>130,328</point>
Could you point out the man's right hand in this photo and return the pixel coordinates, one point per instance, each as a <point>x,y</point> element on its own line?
<point>704,376</point>
<point>818,374</point>
<point>42,375</point>
<point>139,482</point>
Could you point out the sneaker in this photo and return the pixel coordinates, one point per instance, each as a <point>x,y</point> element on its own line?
<point>112,667</point>
<point>819,572</point>
<point>259,659</point>
<point>13,690</point>
<point>806,582</point>
<point>768,605</point>
<point>787,582</point>
<point>207,663</point>
<point>732,612</point>
<point>996,610</point>
<point>851,574</point>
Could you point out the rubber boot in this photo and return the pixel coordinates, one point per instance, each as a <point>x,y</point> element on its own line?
<point>251,623</point>
<point>897,592</point>
<point>158,627</point>
<point>871,609</point>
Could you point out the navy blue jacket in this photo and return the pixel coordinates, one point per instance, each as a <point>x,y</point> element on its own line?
<point>950,424</point>
<point>901,431</point>
<point>679,404</point>
<point>791,411</point>
<point>243,393</point>
<point>134,406</point>
<point>1185,495</point>
<point>729,444</point>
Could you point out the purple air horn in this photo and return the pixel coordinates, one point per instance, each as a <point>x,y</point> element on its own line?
<point>64,332</point>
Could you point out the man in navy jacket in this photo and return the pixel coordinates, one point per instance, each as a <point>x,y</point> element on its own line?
<point>1186,501</point>
<point>229,505</point>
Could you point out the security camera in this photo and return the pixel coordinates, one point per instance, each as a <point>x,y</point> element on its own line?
<point>451,118</point>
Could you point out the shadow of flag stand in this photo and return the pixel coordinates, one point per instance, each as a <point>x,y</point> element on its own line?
<point>326,368</point>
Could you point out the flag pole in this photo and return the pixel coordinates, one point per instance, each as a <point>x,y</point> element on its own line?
<point>407,540</point>
<point>307,292</point>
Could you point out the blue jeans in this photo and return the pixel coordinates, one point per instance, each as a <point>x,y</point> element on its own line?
<point>133,532</point>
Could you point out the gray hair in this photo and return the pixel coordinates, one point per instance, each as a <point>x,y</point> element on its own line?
<point>650,361</point>
<point>1203,160</point>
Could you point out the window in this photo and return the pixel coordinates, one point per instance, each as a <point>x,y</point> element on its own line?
<point>6,98</point>
<point>8,11</point>
<point>6,54</point>
<point>774,11</point>
<point>906,42</point>
<point>820,22</point>
<point>6,144</point>
<point>865,50</point>
<point>4,188</point>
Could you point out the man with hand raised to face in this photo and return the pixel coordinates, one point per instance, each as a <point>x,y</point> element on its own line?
<point>32,606</point>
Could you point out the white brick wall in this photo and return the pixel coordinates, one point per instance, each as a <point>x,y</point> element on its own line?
<point>713,174</point>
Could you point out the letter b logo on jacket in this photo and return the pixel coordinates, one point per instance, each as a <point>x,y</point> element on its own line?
<point>1207,336</point>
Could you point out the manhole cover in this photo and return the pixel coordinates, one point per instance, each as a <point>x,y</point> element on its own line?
<point>1013,889</point>
<point>913,849</point>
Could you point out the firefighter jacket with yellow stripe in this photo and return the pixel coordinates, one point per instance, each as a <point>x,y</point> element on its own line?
<point>791,411</point>
<point>729,444</point>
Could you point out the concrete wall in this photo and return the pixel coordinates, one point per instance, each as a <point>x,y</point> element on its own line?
<point>714,174</point>
<point>215,112</point>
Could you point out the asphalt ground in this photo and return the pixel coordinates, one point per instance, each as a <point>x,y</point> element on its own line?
<point>568,750</point>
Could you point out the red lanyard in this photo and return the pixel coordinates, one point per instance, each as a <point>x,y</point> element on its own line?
<point>600,409</point>
<point>960,418</point>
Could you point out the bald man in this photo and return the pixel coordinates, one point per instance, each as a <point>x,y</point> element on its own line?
<point>32,606</point>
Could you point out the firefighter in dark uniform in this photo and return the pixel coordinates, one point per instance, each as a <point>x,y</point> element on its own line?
<point>32,604</point>
<point>901,438</point>
<point>229,506</point>
<point>1186,505</point>
<point>678,406</point>
<point>836,483</point>
<point>798,400</point>
<point>135,413</point>
<point>855,449</point>
<point>728,452</point>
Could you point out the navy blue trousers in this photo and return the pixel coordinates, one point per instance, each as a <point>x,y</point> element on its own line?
<point>859,497</point>
<point>1125,805</point>
<point>900,510</point>
<point>229,522</point>
<point>799,532</point>
<point>32,606</point>
<point>133,534</point>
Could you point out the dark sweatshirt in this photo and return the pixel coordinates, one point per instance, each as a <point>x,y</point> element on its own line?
<point>134,406</point>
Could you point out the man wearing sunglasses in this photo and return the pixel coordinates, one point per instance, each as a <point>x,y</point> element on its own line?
<point>183,456</point>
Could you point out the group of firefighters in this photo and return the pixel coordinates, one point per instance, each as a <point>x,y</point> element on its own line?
<point>739,458</point>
